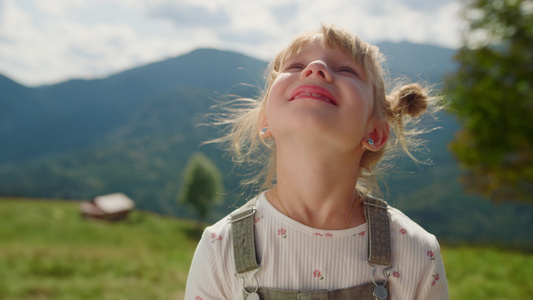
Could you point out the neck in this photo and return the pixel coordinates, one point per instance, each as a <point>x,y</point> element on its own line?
<point>317,189</point>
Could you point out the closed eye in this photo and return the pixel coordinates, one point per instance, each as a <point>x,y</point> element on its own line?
<point>295,66</point>
<point>348,69</point>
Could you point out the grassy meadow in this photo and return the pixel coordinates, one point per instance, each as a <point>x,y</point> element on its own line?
<point>48,252</point>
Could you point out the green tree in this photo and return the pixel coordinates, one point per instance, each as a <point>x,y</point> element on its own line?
<point>202,187</point>
<point>492,96</point>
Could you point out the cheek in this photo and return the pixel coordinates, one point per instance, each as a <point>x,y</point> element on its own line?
<point>361,98</point>
<point>276,96</point>
<point>372,113</point>
<point>279,85</point>
<point>275,110</point>
<point>271,109</point>
<point>367,95</point>
<point>370,99</point>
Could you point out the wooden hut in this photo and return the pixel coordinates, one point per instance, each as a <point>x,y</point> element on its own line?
<point>112,207</point>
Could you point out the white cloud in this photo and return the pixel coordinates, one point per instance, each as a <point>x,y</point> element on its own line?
<point>48,41</point>
<point>189,15</point>
<point>59,47</point>
<point>59,8</point>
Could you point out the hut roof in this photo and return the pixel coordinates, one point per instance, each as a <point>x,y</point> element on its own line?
<point>114,203</point>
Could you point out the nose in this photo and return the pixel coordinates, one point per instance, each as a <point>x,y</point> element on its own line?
<point>317,69</point>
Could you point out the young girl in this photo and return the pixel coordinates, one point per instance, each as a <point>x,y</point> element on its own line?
<point>316,232</point>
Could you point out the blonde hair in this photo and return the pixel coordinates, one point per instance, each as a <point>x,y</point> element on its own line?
<point>244,116</point>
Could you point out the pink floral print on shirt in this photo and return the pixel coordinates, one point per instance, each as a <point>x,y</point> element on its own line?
<point>256,220</point>
<point>318,274</point>
<point>403,230</point>
<point>327,234</point>
<point>198,298</point>
<point>362,233</point>
<point>215,237</point>
<point>436,278</point>
<point>396,274</point>
<point>431,254</point>
<point>282,232</point>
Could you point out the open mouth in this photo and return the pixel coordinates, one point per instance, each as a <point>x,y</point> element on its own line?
<point>313,92</point>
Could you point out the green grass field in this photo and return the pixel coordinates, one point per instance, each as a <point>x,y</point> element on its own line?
<point>48,252</point>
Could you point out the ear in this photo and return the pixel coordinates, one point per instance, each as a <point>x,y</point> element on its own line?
<point>379,137</point>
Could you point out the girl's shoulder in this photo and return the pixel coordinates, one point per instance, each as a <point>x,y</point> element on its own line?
<point>405,228</point>
<point>415,252</point>
<point>214,252</point>
<point>221,230</point>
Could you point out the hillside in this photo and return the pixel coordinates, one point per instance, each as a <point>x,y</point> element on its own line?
<point>80,113</point>
<point>133,132</point>
<point>49,253</point>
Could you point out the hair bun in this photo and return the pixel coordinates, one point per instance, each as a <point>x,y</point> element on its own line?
<point>409,99</point>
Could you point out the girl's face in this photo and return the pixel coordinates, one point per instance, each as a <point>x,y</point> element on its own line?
<point>320,93</point>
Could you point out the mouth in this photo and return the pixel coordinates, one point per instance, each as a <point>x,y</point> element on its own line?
<point>313,92</point>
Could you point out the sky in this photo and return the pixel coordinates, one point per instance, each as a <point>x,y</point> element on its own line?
<point>49,41</point>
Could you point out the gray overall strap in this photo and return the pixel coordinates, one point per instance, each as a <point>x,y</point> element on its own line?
<point>242,222</point>
<point>379,243</point>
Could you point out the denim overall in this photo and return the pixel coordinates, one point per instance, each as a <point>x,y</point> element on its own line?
<point>379,253</point>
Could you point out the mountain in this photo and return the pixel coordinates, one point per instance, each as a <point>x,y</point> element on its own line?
<point>78,113</point>
<point>133,132</point>
<point>423,62</point>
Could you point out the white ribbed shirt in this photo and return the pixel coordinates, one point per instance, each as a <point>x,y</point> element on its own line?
<point>294,256</point>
